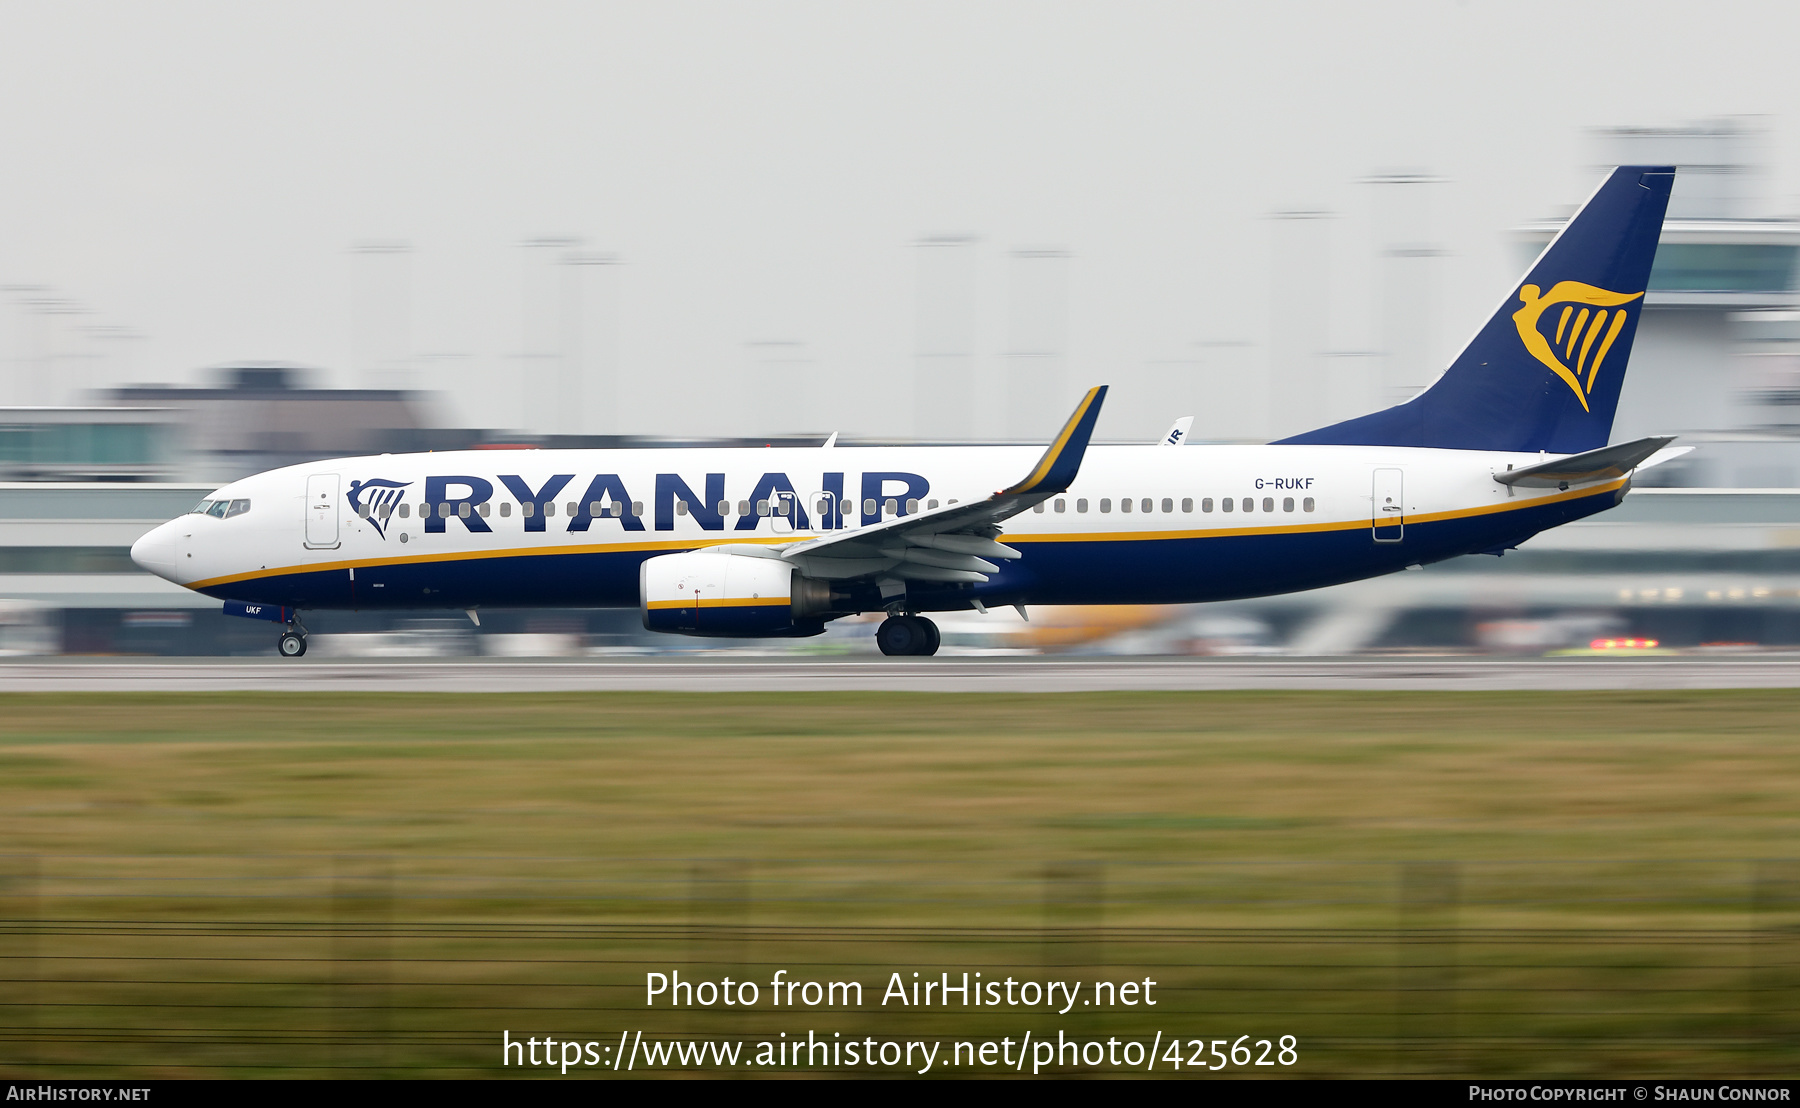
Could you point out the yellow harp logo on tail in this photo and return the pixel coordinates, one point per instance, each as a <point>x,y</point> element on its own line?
<point>1575,341</point>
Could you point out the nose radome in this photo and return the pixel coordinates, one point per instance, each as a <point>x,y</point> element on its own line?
<point>155,552</point>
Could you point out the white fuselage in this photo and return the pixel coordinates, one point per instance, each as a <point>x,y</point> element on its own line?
<point>1139,523</point>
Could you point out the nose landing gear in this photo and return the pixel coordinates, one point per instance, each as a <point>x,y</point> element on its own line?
<point>914,636</point>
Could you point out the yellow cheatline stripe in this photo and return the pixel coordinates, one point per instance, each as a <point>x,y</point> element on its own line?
<point>1092,536</point>
<point>480,555</point>
<point>1056,448</point>
<point>734,602</point>
<point>1302,528</point>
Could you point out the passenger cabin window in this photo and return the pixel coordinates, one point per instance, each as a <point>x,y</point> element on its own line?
<point>550,508</point>
<point>681,507</point>
<point>912,507</point>
<point>892,507</point>
<point>931,503</point>
<point>405,510</point>
<point>762,507</point>
<point>1145,506</point>
<point>462,510</point>
<point>1307,504</point>
<point>1124,505</point>
<point>1106,504</point>
<point>387,511</point>
<point>506,509</point>
<point>1249,504</point>
<point>1206,504</point>
<point>1038,507</point>
<point>743,508</point>
<point>1169,506</point>
<point>1287,503</point>
<point>1268,503</point>
<point>527,509</point>
<point>1062,505</point>
<point>1081,504</point>
<point>444,510</point>
<point>485,509</point>
<point>1227,504</point>
<point>868,507</point>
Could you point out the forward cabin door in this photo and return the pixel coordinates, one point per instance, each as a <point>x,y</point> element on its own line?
<point>321,511</point>
<point>1388,505</point>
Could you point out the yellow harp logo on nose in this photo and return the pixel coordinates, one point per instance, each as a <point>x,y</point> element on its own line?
<point>1583,331</point>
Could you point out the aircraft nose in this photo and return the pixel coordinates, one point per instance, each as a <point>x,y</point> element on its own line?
<point>155,552</point>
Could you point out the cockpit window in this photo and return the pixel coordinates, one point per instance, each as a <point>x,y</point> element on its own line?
<point>238,508</point>
<point>200,508</point>
<point>218,509</point>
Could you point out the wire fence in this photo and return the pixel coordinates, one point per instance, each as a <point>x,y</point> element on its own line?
<point>295,965</point>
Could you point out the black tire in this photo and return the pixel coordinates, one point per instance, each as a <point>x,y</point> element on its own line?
<point>292,644</point>
<point>899,636</point>
<point>933,639</point>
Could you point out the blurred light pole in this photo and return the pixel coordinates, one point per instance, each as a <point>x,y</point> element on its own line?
<point>1036,367</point>
<point>945,393</point>
<point>1299,320</point>
<point>381,314</point>
<point>1409,275</point>
<point>588,388</point>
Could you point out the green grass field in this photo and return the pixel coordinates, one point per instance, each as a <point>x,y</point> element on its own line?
<point>1581,883</point>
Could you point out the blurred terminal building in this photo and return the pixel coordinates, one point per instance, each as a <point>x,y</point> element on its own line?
<point>1708,558</point>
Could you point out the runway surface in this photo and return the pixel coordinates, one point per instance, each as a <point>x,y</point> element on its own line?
<point>943,674</point>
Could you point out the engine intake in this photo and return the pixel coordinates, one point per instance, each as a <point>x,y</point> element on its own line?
<point>719,593</point>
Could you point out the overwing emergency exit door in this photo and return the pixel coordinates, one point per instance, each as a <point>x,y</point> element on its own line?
<point>783,506</point>
<point>1388,505</point>
<point>321,511</point>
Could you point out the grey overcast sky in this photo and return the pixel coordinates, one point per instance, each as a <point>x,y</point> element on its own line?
<point>198,171</point>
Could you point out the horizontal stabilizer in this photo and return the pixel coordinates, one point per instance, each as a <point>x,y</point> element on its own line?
<point>1603,464</point>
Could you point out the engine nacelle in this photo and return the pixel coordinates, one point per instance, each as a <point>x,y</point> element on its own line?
<point>719,593</point>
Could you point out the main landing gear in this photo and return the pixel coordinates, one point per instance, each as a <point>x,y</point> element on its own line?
<point>292,643</point>
<point>907,635</point>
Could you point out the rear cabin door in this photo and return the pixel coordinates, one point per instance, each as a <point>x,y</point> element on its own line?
<point>321,511</point>
<point>1388,505</point>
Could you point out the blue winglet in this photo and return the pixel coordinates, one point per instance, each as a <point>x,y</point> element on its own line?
<point>1056,470</point>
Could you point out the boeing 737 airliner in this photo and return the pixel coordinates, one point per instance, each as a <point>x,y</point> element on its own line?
<point>1510,440</point>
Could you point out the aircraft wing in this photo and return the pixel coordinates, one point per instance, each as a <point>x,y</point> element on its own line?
<point>1594,465</point>
<point>953,542</point>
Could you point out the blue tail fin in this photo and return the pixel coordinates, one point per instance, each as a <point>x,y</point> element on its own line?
<point>1544,373</point>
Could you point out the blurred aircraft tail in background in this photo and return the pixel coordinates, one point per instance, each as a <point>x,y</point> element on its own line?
<point>1544,373</point>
